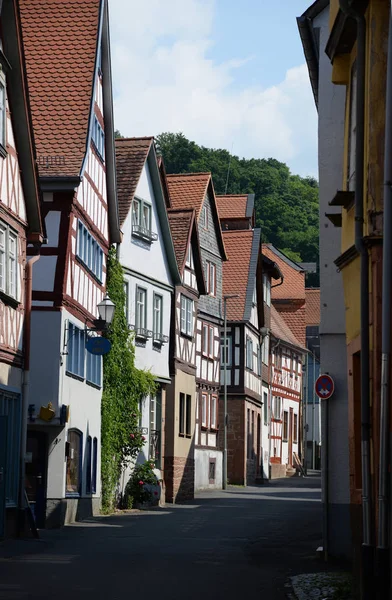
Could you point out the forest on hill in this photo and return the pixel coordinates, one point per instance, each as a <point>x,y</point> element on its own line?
<point>287,208</point>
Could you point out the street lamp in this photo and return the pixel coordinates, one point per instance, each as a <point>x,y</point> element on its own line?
<point>225,298</point>
<point>106,313</point>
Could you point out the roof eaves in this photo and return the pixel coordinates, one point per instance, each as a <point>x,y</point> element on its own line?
<point>285,258</point>
<point>254,258</point>
<point>162,214</point>
<point>115,234</point>
<point>273,267</point>
<point>306,33</point>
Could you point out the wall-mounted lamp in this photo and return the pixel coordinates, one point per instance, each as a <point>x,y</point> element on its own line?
<point>106,313</point>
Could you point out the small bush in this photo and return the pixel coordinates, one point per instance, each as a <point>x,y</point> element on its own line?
<point>137,489</point>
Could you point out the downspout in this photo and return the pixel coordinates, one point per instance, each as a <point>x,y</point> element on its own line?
<point>382,555</point>
<point>25,384</point>
<point>367,541</point>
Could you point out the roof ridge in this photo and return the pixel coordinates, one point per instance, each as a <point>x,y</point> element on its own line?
<point>129,139</point>
<point>188,174</point>
<point>232,195</point>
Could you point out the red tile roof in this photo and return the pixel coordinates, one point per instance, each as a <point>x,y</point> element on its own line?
<point>180,224</point>
<point>238,244</point>
<point>60,40</point>
<point>281,330</point>
<point>294,316</point>
<point>188,190</point>
<point>131,155</point>
<point>232,206</point>
<point>312,306</point>
<point>293,287</point>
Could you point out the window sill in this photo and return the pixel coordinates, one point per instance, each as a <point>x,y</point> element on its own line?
<point>186,335</point>
<point>149,237</point>
<point>74,376</point>
<point>72,495</point>
<point>94,385</point>
<point>9,300</point>
<point>97,152</point>
<point>3,151</point>
<point>83,264</point>
<point>185,436</point>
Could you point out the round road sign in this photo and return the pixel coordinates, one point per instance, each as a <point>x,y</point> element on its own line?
<point>324,386</point>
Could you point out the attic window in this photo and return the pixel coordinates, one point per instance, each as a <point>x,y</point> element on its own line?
<point>205,216</point>
<point>141,220</point>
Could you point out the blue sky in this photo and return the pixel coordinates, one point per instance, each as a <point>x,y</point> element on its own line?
<point>226,74</point>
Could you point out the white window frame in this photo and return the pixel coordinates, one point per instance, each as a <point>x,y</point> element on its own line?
<point>204,416</point>
<point>228,353</point>
<point>140,317</point>
<point>89,252</point>
<point>265,350</point>
<point>76,351</point>
<point>188,261</point>
<point>211,341</point>
<point>211,278</point>
<point>213,411</point>
<point>249,353</point>
<point>186,317</point>
<point>205,339</point>
<point>267,289</point>
<point>126,301</point>
<point>158,314</point>
<point>9,261</point>
<point>139,225</point>
<point>98,138</point>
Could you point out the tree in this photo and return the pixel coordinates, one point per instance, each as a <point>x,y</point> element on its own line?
<point>286,205</point>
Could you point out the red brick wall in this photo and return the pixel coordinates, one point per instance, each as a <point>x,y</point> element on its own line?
<point>179,478</point>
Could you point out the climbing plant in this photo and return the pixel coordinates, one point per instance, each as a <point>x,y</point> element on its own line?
<point>123,387</point>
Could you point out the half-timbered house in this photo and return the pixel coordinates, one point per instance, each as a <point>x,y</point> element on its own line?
<point>67,56</point>
<point>287,356</point>
<point>20,223</point>
<point>196,191</point>
<point>151,273</point>
<point>242,351</point>
<point>181,394</point>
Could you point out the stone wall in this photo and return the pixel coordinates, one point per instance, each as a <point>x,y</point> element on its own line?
<point>179,478</point>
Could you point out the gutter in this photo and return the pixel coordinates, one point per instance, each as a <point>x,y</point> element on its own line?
<point>25,386</point>
<point>367,509</point>
<point>382,553</point>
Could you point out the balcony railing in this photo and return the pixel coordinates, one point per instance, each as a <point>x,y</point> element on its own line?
<point>144,233</point>
<point>159,338</point>
<point>141,332</point>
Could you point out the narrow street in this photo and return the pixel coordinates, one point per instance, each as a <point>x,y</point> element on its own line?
<point>223,545</point>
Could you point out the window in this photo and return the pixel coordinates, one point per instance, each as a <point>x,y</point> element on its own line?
<point>265,403</point>
<point>295,363</point>
<point>252,438</point>
<point>277,407</point>
<point>295,435</point>
<point>204,410</point>
<point>10,407</point>
<point>94,369</point>
<point>352,132</point>
<point>126,301</point>
<point>188,261</point>
<point>141,309</point>
<point>99,138</point>
<point>211,278</point>
<point>94,471</point>
<point>226,355</point>
<point>186,315</point>
<point>259,360</point>
<point>285,425</point>
<point>211,470</point>
<point>249,353</point>
<point>74,462</point>
<point>76,350</point>
<point>254,297</point>
<point>213,412</point>
<point>265,350</point>
<point>157,323</point>
<point>3,127</point>
<point>8,260</point>
<point>141,219</point>
<point>205,216</point>
<point>185,425</point>
<point>89,251</point>
<point>88,464</point>
<point>208,340</point>
<point>267,290</point>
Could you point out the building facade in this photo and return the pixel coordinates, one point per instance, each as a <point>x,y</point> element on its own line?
<point>151,273</point>
<point>20,223</point>
<point>196,191</point>
<point>75,155</point>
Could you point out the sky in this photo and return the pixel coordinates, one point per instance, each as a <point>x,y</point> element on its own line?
<point>227,74</point>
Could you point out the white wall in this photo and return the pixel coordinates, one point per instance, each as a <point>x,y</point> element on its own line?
<point>286,405</point>
<point>265,430</point>
<point>202,458</point>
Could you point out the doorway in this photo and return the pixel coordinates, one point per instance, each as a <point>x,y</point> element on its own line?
<point>259,469</point>
<point>291,421</point>
<point>36,470</point>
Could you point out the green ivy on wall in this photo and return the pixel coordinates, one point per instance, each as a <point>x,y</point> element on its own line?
<point>123,388</point>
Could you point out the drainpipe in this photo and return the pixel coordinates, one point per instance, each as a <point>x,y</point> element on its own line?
<point>367,547</point>
<point>382,554</point>
<point>25,385</point>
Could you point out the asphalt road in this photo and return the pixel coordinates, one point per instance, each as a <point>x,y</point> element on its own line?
<point>231,545</point>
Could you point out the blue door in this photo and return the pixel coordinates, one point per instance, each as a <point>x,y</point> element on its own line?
<point>3,460</point>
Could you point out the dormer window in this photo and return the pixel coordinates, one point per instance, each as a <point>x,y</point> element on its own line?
<point>141,220</point>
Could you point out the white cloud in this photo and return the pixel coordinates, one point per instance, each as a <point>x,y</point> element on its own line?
<point>164,80</point>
